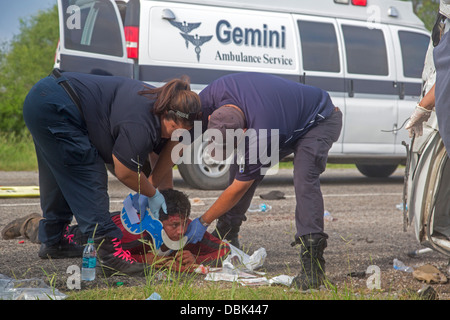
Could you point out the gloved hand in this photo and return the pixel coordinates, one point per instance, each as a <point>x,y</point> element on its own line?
<point>157,202</point>
<point>415,123</point>
<point>195,231</point>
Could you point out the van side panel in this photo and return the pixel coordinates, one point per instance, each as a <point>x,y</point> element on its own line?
<point>208,42</point>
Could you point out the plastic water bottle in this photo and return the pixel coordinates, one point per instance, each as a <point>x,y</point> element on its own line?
<point>399,265</point>
<point>259,207</point>
<point>89,261</point>
<point>154,296</point>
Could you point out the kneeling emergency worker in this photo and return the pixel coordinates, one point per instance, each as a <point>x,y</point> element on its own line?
<point>302,120</point>
<point>79,123</point>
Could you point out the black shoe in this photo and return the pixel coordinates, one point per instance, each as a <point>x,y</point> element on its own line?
<point>112,259</point>
<point>226,232</point>
<point>66,248</point>
<point>312,275</point>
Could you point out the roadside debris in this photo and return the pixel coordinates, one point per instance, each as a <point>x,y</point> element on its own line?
<point>197,202</point>
<point>399,265</point>
<point>429,274</point>
<point>328,217</point>
<point>273,195</point>
<point>259,207</point>
<point>428,293</point>
<point>241,267</point>
<point>27,289</point>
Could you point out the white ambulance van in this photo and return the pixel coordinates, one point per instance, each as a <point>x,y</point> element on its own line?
<point>368,54</point>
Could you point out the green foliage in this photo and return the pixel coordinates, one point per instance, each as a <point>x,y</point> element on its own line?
<point>23,61</point>
<point>427,12</point>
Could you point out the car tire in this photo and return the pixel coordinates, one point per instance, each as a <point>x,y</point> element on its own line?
<point>377,171</point>
<point>204,173</point>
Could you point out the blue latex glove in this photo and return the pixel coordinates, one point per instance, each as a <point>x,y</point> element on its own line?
<point>157,202</point>
<point>195,231</point>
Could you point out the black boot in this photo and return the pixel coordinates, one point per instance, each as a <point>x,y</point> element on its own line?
<point>65,248</point>
<point>312,275</point>
<point>226,232</point>
<point>112,259</point>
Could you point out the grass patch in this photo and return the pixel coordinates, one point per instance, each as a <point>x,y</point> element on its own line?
<point>205,290</point>
<point>17,153</point>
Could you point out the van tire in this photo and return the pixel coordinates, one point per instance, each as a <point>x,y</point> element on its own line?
<point>194,177</point>
<point>377,170</point>
<point>201,175</point>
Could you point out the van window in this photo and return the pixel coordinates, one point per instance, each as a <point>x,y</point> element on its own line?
<point>366,50</point>
<point>414,47</point>
<point>97,31</point>
<point>319,46</point>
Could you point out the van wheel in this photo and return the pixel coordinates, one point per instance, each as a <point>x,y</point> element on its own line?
<point>203,172</point>
<point>377,171</point>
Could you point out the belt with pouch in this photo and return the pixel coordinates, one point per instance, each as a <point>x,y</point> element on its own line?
<point>64,83</point>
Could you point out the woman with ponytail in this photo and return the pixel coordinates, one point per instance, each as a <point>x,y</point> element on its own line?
<point>79,123</point>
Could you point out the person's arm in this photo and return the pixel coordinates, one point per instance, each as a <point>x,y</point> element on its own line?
<point>421,114</point>
<point>164,164</point>
<point>227,200</point>
<point>130,179</point>
<point>428,100</point>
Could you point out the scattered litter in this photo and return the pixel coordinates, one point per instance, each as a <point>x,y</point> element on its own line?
<point>259,207</point>
<point>238,259</point>
<point>240,267</point>
<point>273,195</point>
<point>202,269</point>
<point>328,217</point>
<point>28,289</point>
<point>282,279</point>
<point>399,265</point>
<point>21,241</point>
<point>154,296</point>
<point>221,276</point>
<point>197,202</point>
<point>19,191</point>
<point>400,206</point>
<point>429,274</point>
<point>119,284</point>
<point>428,293</point>
<point>356,274</point>
<point>262,281</point>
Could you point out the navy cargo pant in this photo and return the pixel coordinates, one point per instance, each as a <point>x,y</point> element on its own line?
<point>72,176</point>
<point>310,159</point>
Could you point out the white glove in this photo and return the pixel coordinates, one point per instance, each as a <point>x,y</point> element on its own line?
<point>415,123</point>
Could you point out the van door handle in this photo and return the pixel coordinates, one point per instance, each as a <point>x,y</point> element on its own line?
<point>400,86</point>
<point>401,92</point>
<point>351,92</point>
<point>303,78</point>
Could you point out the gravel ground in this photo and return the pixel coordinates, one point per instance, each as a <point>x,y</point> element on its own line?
<point>367,230</point>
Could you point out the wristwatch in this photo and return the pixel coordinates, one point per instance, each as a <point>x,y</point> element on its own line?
<point>203,222</point>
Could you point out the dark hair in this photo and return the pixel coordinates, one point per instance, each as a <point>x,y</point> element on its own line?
<point>175,101</point>
<point>177,203</point>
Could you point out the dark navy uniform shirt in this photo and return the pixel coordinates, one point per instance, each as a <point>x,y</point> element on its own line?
<point>119,120</point>
<point>268,102</point>
<point>442,89</point>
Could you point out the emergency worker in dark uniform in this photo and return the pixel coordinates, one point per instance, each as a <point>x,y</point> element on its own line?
<point>300,119</point>
<point>79,123</point>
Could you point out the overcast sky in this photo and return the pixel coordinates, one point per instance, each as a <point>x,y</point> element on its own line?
<point>13,10</point>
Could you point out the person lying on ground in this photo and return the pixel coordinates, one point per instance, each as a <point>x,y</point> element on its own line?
<point>210,251</point>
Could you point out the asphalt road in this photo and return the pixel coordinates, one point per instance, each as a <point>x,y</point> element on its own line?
<point>367,228</point>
